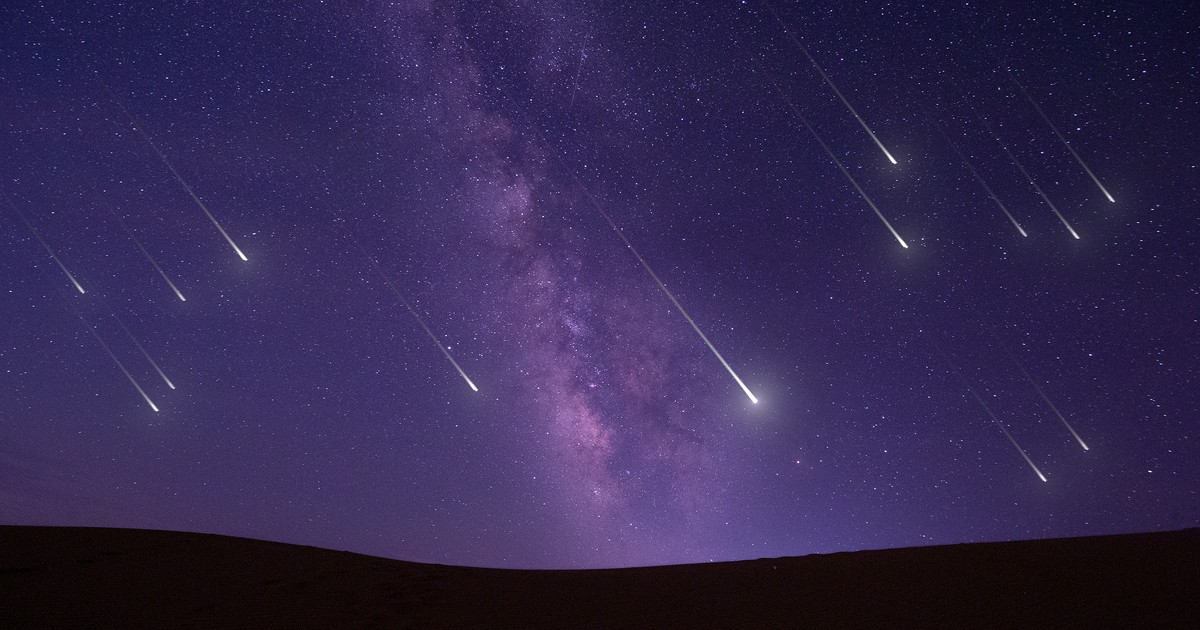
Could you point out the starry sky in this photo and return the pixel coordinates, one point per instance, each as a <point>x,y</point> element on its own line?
<point>390,166</point>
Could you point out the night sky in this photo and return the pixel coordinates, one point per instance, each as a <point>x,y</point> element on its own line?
<point>473,149</point>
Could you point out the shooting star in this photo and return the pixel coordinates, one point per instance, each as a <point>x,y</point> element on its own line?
<point>412,311</point>
<point>804,121</point>
<point>1046,398</point>
<point>1008,435</point>
<point>578,71</point>
<point>1028,177</point>
<point>978,178</point>
<point>141,349</point>
<point>679,307</point>
<point>828,81</point>
<point>114,358</point>
<point>39,239</point>
<point>167,163</point>
<point>146,254</point>
<point>1058,133</point>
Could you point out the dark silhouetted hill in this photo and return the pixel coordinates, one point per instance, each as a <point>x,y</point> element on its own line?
<point>64,577</point>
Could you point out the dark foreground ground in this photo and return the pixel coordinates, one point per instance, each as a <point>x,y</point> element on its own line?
<point>83,577</point>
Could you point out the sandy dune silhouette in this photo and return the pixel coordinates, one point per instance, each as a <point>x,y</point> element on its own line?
<point>66,577</point>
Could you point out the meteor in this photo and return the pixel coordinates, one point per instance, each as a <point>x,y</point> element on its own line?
<point>167,163</point>
<point>1058,133</point>
<point>413,312</point>
<point>978,178</point>
<point>143,350</point>
<point>115,359</point>
<point>578,71</point>
<point>804,121</point>
<point>1008,435</point>
<point>1028,177</point>
<point>146,254</point>
<point>962,379</point>
<point>1046,398</point>
<point>39,239</point>
<point>828,81</point>
<point>679,307</point>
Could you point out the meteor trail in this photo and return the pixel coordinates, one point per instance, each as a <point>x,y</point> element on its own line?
<point>146,254</point>
<point>167,163</point>
<point>1006,433</point>
<point>143,350</point>
<point>412,311</point>
<point>1028,177</point>
<point>578,71</point>
<point>828,81</point>
<point>1046,398</point>
<point>115,359</point>
<point>39,239</point>
<point>596,204</point>
<point>829,152</point>
<point>963,380</point>
<point>978,178</point>
<point>1058,133</point>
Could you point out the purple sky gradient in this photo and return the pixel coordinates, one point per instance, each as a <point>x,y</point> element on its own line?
<point>459,144</point>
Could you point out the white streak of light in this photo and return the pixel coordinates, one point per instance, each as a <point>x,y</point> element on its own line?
<point>829,152</point>
<point>1059,134</point>
<point>148,257</point>
<point>978,178</point>
<point>413,312</point>
<point>174,172</point>
<point>1046,398</point>
<point>48,250</point>
<point>1008,435</point>
<point>663,287</point>
<point>1028,177</point>
<point>118,362</point>
<point>143,351</point>
<point>829,82</point>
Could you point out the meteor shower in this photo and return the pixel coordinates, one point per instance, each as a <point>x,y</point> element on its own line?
<point>552,284</point>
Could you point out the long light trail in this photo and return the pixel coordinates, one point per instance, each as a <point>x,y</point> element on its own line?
<point>987,409</point>
<point>147,254</point>
<point>115,359</point>
<point>661,285</point>
<point>142,350</point>
<point>984,184</point>
<point>1007,434</point>
<point>47,247</point>
<point>167,163</point>
<point>1028,177</point>
<point>1058,133</point>
<point>412,311</point>
<point>804,121</point>
<point>1046,398</point>
<point>828,81</point>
